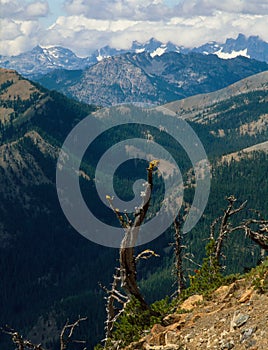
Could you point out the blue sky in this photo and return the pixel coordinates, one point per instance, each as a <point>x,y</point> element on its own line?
<point>85,25</point>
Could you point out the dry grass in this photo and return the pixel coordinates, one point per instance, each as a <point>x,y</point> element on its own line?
<point>245,153</point>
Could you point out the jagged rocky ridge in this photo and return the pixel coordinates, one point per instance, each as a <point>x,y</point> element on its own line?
<point>156,80</point>
<point>41,60</point>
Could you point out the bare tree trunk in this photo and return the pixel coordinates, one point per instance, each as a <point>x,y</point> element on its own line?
<point>126,275</point>
<point>128,269</point>
<point>178,256</point>
<point>225,226</point>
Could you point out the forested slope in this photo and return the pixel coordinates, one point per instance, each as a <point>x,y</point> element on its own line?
<point>48,271</point>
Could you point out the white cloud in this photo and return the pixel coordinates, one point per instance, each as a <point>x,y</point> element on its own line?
<point>19,36</point>
<point>207,7</point>
<point>119,9</point>
<point>20,29</point>
<point>37,9</point>
<point>84,34</point>
<point>20,9</point>
<point>91,24</point>
<point>9,30</point>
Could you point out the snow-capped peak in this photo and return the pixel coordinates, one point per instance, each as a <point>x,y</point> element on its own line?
<point>41,60</point>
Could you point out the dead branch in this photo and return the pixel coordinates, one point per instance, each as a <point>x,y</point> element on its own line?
<point>192,261</point>
<point>114,296</point>
<point>67,333</point>
<point>146,254</point>
<point>18,340</point>
<point>225,226</point>
<point>259,234</point>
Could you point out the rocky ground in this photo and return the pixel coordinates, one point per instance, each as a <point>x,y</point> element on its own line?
<point>234,317</point>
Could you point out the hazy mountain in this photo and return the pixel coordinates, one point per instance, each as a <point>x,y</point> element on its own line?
<point>48,271</point>
<point>143,78</point>
<point>251,47</point>
<point>42,60</point>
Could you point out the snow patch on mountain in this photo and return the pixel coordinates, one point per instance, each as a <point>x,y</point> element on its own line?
<point>233,54</point>
<point>159,51</point>
<point>41,60</point>
<point>140,50</point>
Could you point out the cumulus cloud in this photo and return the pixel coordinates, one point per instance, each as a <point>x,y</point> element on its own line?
<point>84,35</point>
<point>207,7</point>
<point>90,24</point>
<point>22,10</point>
<point>20,28</point>
<point>119,9</point>
<point>37,9</point>
<point>19,36</point>
<point>10,30</point>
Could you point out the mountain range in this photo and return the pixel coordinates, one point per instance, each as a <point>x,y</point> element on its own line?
<point>141,78</point>
<point>48,271</point>
<point>42,60</point>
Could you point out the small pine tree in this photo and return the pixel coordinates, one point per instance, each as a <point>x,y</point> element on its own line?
<point>209,276</point>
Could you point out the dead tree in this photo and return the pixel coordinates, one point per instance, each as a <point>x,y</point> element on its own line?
<point>225,227</point>
<point>180,253</point>
<point>125,277</point>
<point>114,297</point>
<point>256,229</point>
<point>19,341</point>
<point>66,337</point>
<point>178,250</point>
<point>128,271</point>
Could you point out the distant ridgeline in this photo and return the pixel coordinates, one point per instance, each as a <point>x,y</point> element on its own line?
<point>142,78</point>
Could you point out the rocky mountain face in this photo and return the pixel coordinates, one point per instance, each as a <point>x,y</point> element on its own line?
<point>43,60</point>
<point>234,317</point>
<point>251,47</point>
<point>146,79</point>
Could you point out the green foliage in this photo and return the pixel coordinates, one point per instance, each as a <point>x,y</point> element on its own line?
<point>260,277</point>
<point>208,277</point>
<point>134,321</point>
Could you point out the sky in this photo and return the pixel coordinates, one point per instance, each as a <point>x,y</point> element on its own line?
<point>86,25</point>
